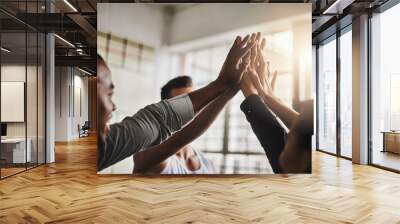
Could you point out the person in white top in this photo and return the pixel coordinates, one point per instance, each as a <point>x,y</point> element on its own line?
<point>187,160</point>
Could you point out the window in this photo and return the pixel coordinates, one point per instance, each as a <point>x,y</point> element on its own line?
<point>346,93</point>
<point>385,89</point>
<point>327,96</point>
<point>131,56</point>
<point>334,106</point>
<point>22,66</point>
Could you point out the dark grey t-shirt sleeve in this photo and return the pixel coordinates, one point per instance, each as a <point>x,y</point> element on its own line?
<point>150,126</point>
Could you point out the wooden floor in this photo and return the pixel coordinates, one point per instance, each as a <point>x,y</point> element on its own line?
<point>70,191</point>
<point>387,159</point>
<point>5,172</point>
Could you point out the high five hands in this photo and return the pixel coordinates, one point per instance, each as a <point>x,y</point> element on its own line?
<point>257,78</point>
<point>245,65</point>
<point>234,66</point>
<point>266,81</point>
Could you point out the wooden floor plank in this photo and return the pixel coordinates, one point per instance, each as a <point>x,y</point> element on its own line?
<point>70,191</point>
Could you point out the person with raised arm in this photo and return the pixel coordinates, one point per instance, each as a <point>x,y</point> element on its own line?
<point>271,120</point>
<point>156,122</point>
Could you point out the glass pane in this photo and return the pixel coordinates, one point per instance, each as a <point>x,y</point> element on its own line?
<point>41,99</point>
<point>32,99</point>
<point>385,89</point>
<point>327,97</point>
<point>345,94</point>
<point>14,153</point>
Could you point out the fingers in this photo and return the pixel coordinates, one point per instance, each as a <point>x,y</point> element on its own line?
<point>243,66</point>
<point>258,37</point>
<point>268,72</point>
<point>261,67</point>
<point>250,42</point>
<point>263,77</point>
<point>237,40</point>
<point>260,58</point>
<point>237,44</point>
<point>273,81</point>
<point>242,44</point>
<point>242,47</point>
<point>256,81</point>
<point>247,58</point>
<point>262,45</point>
<point>253,58</point>
<point>248,39</point>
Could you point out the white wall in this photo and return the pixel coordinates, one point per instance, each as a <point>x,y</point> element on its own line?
<point>68,82</point>
<point>61,103</point>
<point>202,20</point>
<point>138,22</point>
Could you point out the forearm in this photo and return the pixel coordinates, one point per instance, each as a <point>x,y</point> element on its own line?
<point>201,97</point>
<point>157,154</point>
<point>149,126</point>
<point>285,113</point>
<point>267,129</point>
<point>296,157</point>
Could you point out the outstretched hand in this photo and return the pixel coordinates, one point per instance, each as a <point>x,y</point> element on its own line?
<point>258,78</point>
<point>232,70</point>
<point>266,81</point>
<point>250,76</point>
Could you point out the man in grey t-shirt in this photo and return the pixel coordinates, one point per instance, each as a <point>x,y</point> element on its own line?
<point>156,122</point>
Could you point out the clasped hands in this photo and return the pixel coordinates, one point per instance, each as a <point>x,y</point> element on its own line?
<point>245,68</point>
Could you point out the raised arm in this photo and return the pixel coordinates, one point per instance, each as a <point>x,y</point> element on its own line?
<point>263,122</point>
<point>152,156</point>
<point>265,85</point>
<point>157,122</point>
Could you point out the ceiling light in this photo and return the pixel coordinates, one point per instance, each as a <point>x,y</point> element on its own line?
<point>70,5</point>
<point>84,71</point>
<point>5,50</point>
<point>79,51</point>
<point>65,41</point>
<point>338,6</point>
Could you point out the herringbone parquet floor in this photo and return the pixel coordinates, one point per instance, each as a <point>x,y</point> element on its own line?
<point>69,191</point>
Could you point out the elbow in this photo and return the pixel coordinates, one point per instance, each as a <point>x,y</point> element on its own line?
<point>138,163</point>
